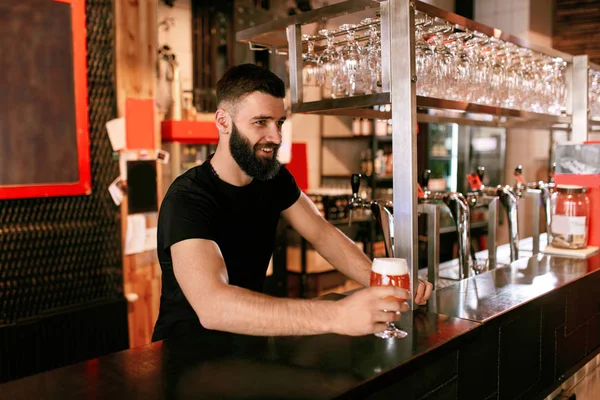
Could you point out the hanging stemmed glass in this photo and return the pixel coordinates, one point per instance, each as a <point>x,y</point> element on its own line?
<point>442,57</point>
<point>495,60</point>
<point>352,66</point>
<point>330,70</point>
<point>372,66</point>
<point>554,85</point>
<point>527,79</point>
<point>423,55</point>
<point>310,69</point>
<point>459,88</point>
<point>479,70</point>
<point>594,92</point>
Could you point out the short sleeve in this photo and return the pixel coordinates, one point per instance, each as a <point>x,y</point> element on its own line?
<point>186,215</point>
<point>286,188</point>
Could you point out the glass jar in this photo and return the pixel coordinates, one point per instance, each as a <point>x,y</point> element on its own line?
<point>570,217</point>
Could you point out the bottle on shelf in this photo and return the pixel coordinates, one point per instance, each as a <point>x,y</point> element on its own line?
<point>380,163</point>
<point>381,127</point>
<point>366,127</point>
<point>356,126</point>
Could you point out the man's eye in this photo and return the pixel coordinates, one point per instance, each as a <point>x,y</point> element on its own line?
<point>260,122</point>
<point>280,123</point>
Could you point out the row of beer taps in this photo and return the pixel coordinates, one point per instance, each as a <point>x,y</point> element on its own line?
<point>460,206</point>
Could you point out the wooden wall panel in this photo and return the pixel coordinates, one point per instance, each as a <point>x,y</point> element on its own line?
<point>136,49</point>
<point>577,27</point>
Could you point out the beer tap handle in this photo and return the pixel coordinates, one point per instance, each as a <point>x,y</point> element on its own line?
<point>519,170</point>
<point>480,172</point>
<point>425,179</point>
<point>355,183</point>
<point>519,175</point>
<point>476,179</point>
<point>552,172</point>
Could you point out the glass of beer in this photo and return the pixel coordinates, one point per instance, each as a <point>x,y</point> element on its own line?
<point>390,272</point>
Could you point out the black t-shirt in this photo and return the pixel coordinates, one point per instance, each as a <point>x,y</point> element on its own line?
<point>242,221</point>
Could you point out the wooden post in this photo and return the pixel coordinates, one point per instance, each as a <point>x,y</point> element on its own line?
<point>136,48</point>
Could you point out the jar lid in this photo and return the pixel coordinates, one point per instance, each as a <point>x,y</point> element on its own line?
<point>571,189</point>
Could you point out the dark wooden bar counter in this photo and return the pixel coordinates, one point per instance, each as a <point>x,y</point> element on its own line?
<point>512,333</point>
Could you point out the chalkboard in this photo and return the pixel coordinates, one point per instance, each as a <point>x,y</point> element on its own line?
<point>141,186</point>
<point>44,148</point>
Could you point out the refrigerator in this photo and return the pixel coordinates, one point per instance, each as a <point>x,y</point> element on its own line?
<point>453,151</point>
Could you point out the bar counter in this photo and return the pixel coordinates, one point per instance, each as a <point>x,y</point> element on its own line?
<point>513,332</point>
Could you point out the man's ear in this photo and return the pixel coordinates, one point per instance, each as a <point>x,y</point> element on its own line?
<point>223,121</point>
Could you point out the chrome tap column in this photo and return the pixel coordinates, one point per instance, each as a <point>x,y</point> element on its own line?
<point>510,202</point>
<point>383,212</point>
<point>461,213</point>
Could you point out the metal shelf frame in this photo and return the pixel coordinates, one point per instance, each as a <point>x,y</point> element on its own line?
<point>397,33</point>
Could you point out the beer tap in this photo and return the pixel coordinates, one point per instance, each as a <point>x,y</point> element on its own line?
<point>540,192</point>
<point>461,213</point>
<point>509,200</point>
<point>382,212</point>
<point>475,199</point>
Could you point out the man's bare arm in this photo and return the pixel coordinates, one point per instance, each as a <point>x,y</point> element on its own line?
<point>200,271</point>
<point>337,248</point>
<point>330,242</point>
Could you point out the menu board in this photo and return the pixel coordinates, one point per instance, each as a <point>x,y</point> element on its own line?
<point>44,144</point>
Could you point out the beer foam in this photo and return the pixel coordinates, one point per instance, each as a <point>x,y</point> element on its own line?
<point>390,266</point>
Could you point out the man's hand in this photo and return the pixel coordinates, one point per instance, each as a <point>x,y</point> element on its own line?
<point>363,313</point>
<point>423,292</point>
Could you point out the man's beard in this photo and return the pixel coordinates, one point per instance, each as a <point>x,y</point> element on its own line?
<point>263,168</point>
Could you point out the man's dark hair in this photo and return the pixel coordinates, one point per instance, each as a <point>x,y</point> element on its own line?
<point>244,79</point>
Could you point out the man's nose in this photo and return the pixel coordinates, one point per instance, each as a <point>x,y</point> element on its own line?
<point>274,135</point>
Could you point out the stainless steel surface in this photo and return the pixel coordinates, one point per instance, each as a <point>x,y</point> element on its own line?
<point>497,33</point>
<point>431,102</point>
<point>488,197</point>
<point>294,37</point>
<point>547,203</point>
<point>495,292</point>
<point>580,99</point>
<point>452,228</point>
<point>386,85</point>
<point>510,201</point>
<point>355,106</point>
<point>461,214</point>
<point>272,33</point>
<point>325,106</point>
<point>536,196</point>
<point>492,205</point>
<point>383,213</point>
<point>400,17</point>
<point>433,244</point>
<point>381,210</point>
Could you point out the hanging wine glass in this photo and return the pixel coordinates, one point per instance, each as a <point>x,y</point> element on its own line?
<point>351,63</point>
<point>330,70</point>
<point>423,55</point>
<point>442,57</point>
<point>310,69</point>
<point>372,64</point>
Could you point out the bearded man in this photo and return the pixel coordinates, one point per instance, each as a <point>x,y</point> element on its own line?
<point>217,225</point>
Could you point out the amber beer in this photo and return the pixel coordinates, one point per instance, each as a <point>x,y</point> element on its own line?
<point>390,272</point>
